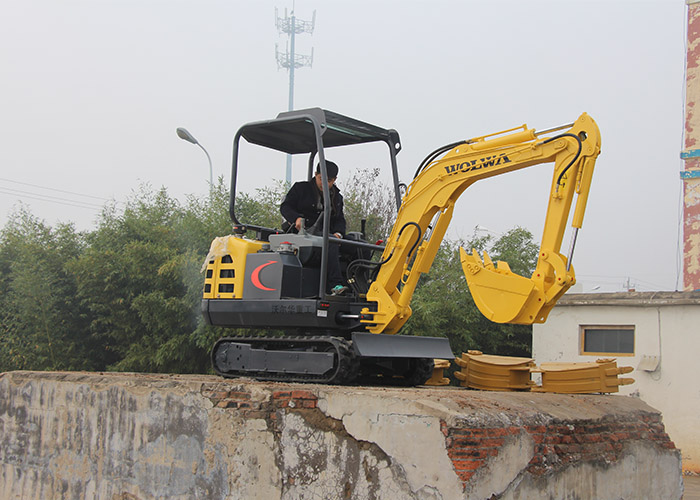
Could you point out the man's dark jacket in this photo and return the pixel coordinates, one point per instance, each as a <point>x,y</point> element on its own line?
<point>305,200</point>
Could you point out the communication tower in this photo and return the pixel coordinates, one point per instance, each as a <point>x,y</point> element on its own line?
<point>289,59</point>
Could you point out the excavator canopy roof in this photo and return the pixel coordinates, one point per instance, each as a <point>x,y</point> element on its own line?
<point>294,131</point>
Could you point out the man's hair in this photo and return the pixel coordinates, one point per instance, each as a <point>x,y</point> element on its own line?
<point>331,169</point>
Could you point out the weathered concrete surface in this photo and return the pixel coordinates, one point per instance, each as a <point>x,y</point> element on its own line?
<point>131,436</point>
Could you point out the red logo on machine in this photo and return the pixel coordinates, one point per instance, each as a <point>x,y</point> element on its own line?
<point>255,276</point>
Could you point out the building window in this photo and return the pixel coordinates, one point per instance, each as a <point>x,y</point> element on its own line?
<point>607,340</point>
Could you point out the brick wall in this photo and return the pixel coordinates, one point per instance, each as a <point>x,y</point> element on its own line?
<point>557,445</point>
<point>222,396</point>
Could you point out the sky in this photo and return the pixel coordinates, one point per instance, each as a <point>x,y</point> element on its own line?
<point>92,91</point>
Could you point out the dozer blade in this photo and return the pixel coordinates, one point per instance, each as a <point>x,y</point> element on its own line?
<point>501,295</point>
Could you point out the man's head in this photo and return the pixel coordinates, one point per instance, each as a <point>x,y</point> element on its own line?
<point>331,170</point>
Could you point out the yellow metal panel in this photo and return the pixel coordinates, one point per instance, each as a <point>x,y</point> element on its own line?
<point>225,266</point>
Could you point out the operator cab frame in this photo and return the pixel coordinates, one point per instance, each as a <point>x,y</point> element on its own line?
<point>312,131</point>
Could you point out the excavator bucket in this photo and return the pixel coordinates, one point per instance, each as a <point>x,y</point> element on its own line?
<point>500,294</point>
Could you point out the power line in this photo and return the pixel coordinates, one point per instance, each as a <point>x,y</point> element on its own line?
<point>622,281</point>
<point>54,189</point>
<point>51,199</point>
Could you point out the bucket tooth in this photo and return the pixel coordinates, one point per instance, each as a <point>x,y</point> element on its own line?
<point>503,267</point>
<point>488,263</point>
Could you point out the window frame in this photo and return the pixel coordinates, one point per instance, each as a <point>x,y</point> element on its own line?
<point>582,339</point>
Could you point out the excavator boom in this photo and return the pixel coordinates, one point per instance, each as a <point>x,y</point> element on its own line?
<point>427,208</point>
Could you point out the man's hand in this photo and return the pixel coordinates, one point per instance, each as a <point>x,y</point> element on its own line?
<point>338,235</point>
<point>299,222</point>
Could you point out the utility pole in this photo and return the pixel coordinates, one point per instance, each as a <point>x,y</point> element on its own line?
<point>289,59</point>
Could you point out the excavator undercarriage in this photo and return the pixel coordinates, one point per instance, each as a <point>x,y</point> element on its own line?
<point>324,359</point>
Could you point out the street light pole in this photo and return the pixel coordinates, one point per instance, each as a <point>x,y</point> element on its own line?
<point>186,136</point>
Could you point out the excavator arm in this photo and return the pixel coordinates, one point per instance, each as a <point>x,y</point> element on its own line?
<point>427,208</point>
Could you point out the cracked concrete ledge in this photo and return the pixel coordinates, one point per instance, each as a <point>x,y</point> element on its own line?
<point>142,436</point>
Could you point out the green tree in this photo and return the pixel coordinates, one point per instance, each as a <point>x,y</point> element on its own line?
<point>42,326</point>
<point>262,208</point>
<point>518,249</point>
<point>125,296</point>
<point>203,219</point>
<point>367,198</point>
<point>135,279</point>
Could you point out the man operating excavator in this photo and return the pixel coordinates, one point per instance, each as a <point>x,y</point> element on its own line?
<point>303,205</point>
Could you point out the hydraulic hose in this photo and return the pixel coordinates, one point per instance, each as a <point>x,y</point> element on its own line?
<point>578,153</point>
<point>369,264</point>
<point>428,159</point>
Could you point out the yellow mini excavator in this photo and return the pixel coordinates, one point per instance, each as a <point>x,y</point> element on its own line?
<point>260,277</point>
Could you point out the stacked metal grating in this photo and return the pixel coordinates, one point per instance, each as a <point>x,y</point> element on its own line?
<point>582,378</point>
<point>494,373</point>
<point>507,373</point>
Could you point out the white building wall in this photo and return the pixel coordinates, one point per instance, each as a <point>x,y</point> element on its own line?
<point>671,332</point>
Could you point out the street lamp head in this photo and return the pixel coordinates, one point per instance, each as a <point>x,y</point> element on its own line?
<point>185,135</point>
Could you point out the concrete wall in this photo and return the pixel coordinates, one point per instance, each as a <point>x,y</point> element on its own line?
<point>128,436</point>
<point>666,325</point>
